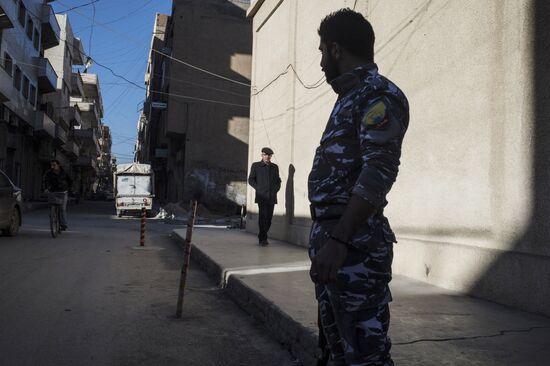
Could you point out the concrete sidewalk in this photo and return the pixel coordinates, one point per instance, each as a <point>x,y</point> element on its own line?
<point>430,325</point>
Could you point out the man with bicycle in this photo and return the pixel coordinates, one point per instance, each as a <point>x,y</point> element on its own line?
<point>56,180</point>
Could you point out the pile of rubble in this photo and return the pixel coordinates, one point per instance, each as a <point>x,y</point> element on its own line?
<point>176,213</point>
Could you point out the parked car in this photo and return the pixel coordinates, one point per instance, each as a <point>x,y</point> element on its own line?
<point>10,206</point>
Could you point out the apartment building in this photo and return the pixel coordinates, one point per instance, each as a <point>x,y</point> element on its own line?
<point>196,123</point>
<point>105,166</point>
<point>87,106</point>
<point>63,57</point>
<point>152,143</point>
<point>471,203</point>
<point>47,111</point>
<point>28,134</point>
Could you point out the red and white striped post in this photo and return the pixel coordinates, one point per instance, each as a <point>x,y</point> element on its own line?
<point>142,228</point>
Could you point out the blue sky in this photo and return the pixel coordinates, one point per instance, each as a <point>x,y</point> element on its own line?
<point>120,39</point>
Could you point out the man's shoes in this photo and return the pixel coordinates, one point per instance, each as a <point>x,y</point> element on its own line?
<point>63,228</point>
<point>264,243</point>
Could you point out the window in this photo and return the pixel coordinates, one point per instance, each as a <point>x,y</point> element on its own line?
<point>30,27</point>
<point>36,40</point>
<point>26,85</point>
<point>32,96</point>
<point>8,64</point>
<point>17,78</point>
<point>22,14</point>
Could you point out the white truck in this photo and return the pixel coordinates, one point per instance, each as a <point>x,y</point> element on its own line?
<point>133,188</point>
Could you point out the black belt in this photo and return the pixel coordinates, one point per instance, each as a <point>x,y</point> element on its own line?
<point>332,212</point>
<point>326,212</point>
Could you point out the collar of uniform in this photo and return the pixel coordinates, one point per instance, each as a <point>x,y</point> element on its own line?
<point>344,83</point>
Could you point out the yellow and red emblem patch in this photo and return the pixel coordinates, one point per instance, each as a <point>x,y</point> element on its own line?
<point>376,116</point>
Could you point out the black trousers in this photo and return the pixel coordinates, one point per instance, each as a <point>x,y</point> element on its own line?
<point>264,220</point>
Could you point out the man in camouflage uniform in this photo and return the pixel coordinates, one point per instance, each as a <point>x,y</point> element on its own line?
<point>351,242</point>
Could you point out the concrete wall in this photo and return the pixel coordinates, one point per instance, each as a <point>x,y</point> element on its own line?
<point>468,206</point>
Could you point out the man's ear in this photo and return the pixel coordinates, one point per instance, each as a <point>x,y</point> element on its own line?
<point>335,51</point>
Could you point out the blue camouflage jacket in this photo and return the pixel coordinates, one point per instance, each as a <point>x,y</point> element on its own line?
<point>360,148</point>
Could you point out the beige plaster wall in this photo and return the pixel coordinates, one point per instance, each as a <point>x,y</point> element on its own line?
<point>463,204</point>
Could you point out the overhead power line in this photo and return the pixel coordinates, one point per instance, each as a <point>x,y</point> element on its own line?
<point>92,27</point>
<point>159,52</point>
<point>290,67</point>
<point>79,6</point>
<point>169,94</point>
<point>126,15</point>
<point>313,86</point>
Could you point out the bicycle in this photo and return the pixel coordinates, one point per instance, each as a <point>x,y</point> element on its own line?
<point>55,199</point>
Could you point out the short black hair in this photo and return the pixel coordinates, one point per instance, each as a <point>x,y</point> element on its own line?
<point>350,30</point>
<point>55,161</point>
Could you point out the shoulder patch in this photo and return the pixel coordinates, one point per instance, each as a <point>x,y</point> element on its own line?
<point>376,117</point>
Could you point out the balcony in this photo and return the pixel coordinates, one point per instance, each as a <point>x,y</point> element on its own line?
<point>106,132</point>
<point>77,85</point>
<point>60,136</point>
<point>71,148</point>
<point>50,28</point>
<point>86,162</point>
<point>5,21</point>
<point>47,78</point>
<point>78,52</point>
<point>88,138</point>
<point>106,158</point>
<point>74,116</point>
<point>89,114</point>
<point>44,126</point>
<point>92,90</point>
<point>106,145</point>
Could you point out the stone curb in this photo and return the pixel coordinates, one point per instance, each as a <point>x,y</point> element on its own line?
<point>298,339</point>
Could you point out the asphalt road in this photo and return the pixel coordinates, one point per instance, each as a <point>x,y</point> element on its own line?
<point>90,297</point>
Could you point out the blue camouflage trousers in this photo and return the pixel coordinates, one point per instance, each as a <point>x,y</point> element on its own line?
<point>354,311</point>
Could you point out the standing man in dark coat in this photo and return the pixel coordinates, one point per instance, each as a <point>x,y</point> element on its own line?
<point>264,178</point>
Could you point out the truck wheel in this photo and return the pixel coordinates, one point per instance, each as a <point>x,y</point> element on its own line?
<point>119,213</point>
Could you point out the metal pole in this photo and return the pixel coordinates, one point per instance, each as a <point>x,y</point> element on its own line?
<point>142,230</point>
<point>186,257</point>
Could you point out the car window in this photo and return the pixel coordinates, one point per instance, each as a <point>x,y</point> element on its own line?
<point>4,182</point>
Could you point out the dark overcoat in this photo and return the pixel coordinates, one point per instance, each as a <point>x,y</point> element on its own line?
<point>264,178</point>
